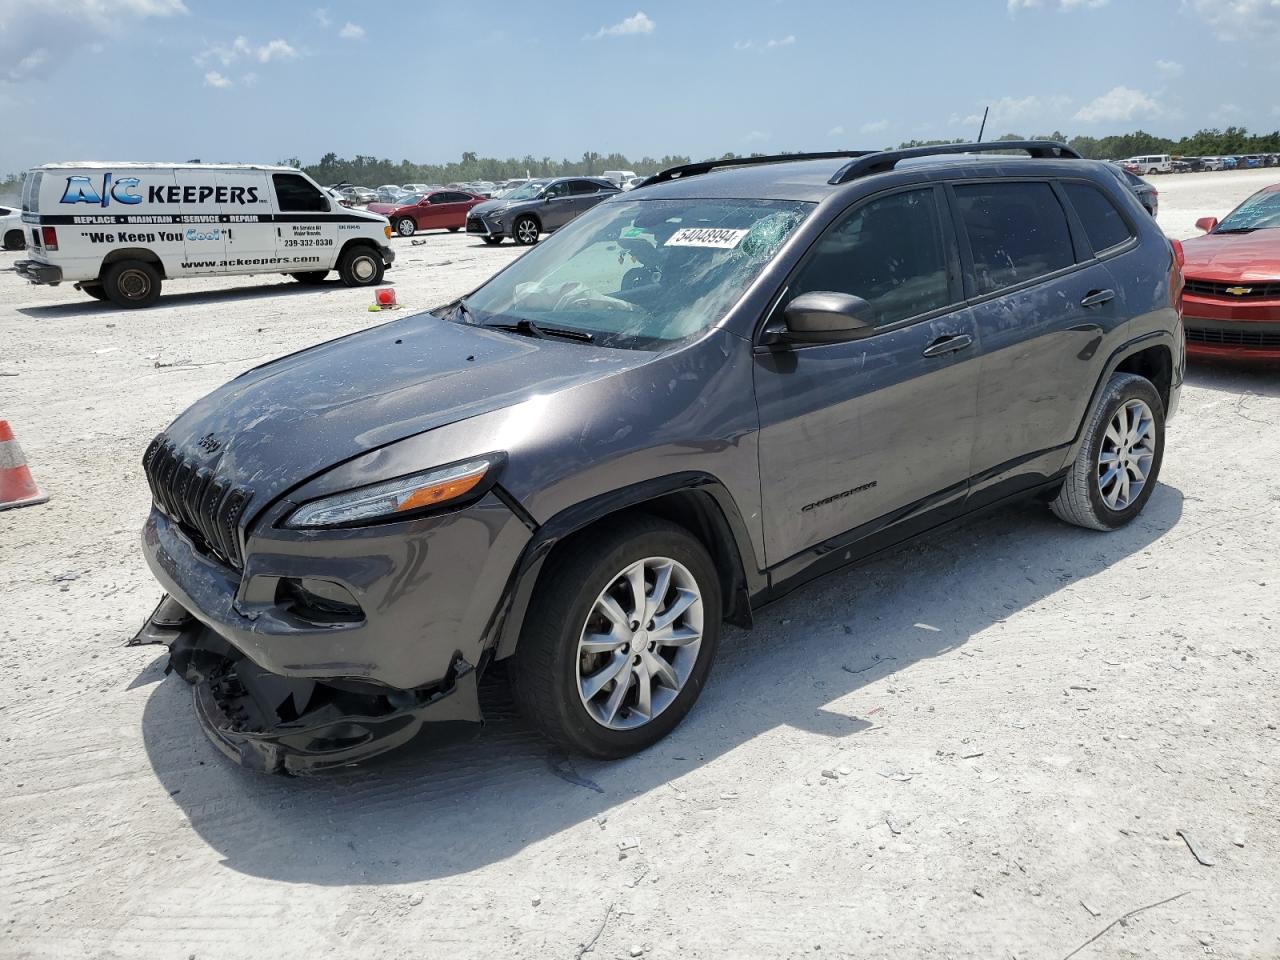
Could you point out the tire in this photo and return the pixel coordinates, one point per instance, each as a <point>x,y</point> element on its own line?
<point>492,241</point>
<point>14,240</point>
<point>525,231</point>
<point>310,277</point>
<point>454,229</point>
<point>405,226</point>
<point>361,266</point>
<point>549,670</point>
<point>131,283</point>
<point>94,290</point>
<point>1088,498</point>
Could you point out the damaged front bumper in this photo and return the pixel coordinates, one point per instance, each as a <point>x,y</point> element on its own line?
<point>293,725</point>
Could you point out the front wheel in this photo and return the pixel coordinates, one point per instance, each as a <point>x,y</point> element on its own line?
<point>525,231</point>
<point>406,227</point>
<point>1115,472</point>
<point>361,266</point>
<point>492,241</point>
<point>619,638</point>
<point>131,283</point>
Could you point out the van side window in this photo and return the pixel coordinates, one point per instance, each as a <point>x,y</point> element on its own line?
<point>1103,224</point>
<point>889,252</point>
<point>1017,232</point>
<point>296,195</point>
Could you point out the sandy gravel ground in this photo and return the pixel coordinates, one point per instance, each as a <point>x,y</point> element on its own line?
<point>1028,726</point>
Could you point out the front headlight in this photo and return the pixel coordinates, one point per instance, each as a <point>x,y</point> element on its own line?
<point>396,499</point>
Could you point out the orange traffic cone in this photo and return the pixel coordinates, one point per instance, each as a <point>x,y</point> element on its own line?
<point>17,487</point>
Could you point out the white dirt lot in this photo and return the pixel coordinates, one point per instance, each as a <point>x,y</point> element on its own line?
<point>1030,726</point>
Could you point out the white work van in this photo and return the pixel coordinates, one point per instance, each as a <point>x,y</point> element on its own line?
<point>1153,163</point>
<point>119,229</point>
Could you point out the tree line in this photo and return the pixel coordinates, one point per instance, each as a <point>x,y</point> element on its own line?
<point>372,171</point>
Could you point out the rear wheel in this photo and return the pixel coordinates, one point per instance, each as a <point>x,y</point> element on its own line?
<point>14,240</point>
<point>131,283</point>
<point>361,266</point>
<point>1115,472</point>
<point>525,231</point>
<point>310,277</point>
<point>405,226</point>
<point>619,638</point>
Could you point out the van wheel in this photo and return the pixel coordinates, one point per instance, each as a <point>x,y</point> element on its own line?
<point>619,638</point>
<point>360,266</point>
<point>94,290</point>
<point>525,231</point>
<point>14,240</point>
<point>131,283</point>
<point>1115,472</point>
<point>406,227</point>
<point>310,277</point>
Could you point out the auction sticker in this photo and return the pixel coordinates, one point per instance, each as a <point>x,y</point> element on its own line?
<point>706,237</point>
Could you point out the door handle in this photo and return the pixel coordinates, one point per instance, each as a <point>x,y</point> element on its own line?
<point>1097,298</point>
<point>948,344</point>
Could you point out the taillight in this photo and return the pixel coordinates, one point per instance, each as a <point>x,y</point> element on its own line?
<point>1178,255</point>
<point>49,237</point>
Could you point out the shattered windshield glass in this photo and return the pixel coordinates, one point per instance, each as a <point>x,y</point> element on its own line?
<point>1259,212</point>
<point>642,273</point>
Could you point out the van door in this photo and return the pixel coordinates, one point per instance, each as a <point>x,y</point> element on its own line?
<point>306,224</point>
<point>248,218</point>
<point>200,231</point>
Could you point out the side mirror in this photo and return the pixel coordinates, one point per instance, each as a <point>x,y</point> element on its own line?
<point>1207,224</point>
<point>824,317</point>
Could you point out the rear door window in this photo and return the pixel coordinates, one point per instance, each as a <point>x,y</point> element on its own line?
<point>1103,224</point>
<point>584,186</point>
<point>31,193</point>
<point>1017,232</point>
<point>296,195</point>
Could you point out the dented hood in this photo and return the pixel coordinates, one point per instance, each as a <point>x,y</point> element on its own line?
<point>282,423</point>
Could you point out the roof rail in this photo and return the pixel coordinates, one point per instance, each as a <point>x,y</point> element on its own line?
<point>706,166</point>
<point>888,159</point>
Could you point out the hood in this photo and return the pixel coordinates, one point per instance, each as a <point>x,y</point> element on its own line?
<point>383,208</point>
<point>493,206</point>
<point>288,420</point>
<point>1226,257</point>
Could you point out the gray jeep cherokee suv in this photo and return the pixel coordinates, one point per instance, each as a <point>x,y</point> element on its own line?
<point>692,399</point>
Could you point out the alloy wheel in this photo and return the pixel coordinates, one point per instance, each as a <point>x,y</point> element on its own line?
<point>1128,451</point>
<point>640,643</point>
<point>527,231</point>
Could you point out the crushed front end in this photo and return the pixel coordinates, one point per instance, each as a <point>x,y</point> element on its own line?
<point>278,724</point>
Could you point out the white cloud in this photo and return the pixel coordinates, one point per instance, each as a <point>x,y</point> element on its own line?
<point>772,44</point>
<point>1239,19</point>
<point>1064,5</point>
<point>322,18</point>
<point>788,41</point>
<point>743,44</point>
<point>1010,111</point>
<point>1116,105</point>
<point>637,24</point>
<point>242,49</point>
<point>214,79</point>
<point>874,126</point>
<point>351,31</point>
<point>1170,68</point>
<point>755,136</point>
<point>836,131</point>
<point>29,30</point>
<point>249,79</point>
<point>1228,110</point>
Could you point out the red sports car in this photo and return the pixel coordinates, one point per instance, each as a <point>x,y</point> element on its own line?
<point>1231,302</point>
<point>439,210</point>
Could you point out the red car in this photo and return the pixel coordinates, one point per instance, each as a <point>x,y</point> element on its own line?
<point>1231,302</point>
<point>439,210</point>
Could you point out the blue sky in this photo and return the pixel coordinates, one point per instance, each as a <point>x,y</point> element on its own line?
<point>423,80</point>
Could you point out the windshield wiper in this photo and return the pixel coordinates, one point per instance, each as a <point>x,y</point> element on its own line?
<point>1237,230</point>
<point>530,329</point>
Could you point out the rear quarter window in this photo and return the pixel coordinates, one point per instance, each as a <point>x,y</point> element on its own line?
<point>1103,223</point>
<point>1016,232</point>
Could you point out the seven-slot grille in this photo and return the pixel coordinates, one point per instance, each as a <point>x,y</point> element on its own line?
<point>207,508</point>
<point>1258,290</point>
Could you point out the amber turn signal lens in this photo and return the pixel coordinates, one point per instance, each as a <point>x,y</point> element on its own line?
<point>440,492</point>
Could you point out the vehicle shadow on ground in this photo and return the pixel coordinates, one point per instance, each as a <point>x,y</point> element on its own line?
<point>444,807</point>
<point>90,307</point>
<point>1261,377</point>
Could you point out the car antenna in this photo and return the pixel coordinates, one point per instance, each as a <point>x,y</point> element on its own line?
<point>982,128</point>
